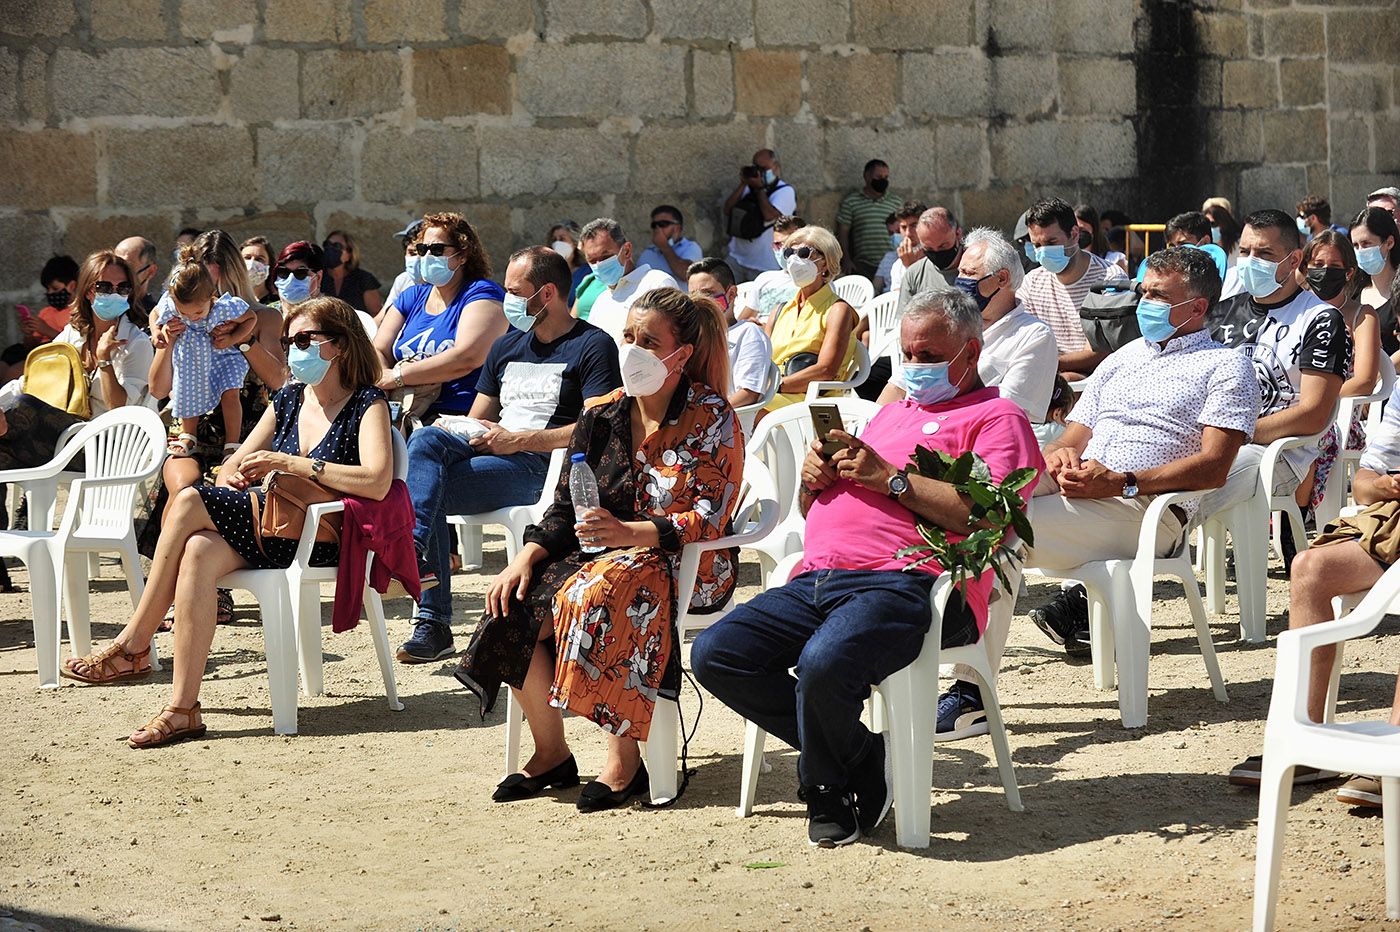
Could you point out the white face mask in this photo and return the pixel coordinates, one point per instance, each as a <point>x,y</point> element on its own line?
<point>643,373</point>
<point>802,271</point>
<point>564,248</point>
<point>257,272</point>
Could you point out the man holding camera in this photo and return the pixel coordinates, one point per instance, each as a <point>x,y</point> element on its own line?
<point>749,212</point>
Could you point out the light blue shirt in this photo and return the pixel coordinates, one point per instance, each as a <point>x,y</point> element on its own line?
<point>687,249</point>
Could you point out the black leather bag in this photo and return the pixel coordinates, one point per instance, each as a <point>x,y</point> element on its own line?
<point>1109,318</point>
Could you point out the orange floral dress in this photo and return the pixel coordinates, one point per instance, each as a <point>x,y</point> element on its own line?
<point>613,614</point>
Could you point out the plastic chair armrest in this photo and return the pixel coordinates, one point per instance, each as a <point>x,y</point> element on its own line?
<point>1152,519</point>
<point>314,514</point>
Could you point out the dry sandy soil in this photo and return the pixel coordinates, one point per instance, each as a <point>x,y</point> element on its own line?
<point>376,819</point>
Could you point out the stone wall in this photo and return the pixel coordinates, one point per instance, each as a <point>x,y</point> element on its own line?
<point>292,117</point>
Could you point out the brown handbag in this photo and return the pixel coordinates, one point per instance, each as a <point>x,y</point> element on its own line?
<point>282,511</point>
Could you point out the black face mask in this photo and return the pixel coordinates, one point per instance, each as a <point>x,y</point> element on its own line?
<point>58,298</point>
<point>1085,239</point>
<point>333,253</point>
<point>1327,283</point>
<point>880,185</point>
<point>942,258</point>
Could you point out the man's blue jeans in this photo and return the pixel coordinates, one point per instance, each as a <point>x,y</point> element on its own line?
<point>843,631</point>
<point>446,475</point>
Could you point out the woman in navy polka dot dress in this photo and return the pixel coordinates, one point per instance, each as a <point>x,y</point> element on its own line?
<point>329,424</point>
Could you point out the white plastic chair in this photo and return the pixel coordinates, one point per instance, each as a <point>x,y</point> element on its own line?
<point>371,328</point>
<point>1291,738</point>
<point>753,519</point>
<point>860,371</point>
<point>121,449</point>
<point>1337,490</point>
<point>747,413</point>
<point>513,518</point>
<point>1120,611</point>
<point>781,441</point>
<point>1247,524</point>
<point>907,699</point>
<point>855,290</point>
<point>883,314</point>
<point>741,298</point>
<point>290,601</point>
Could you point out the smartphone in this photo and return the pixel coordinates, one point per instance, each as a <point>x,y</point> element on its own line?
<point>825,419</point>
<point>23,312</point>
<point>395,409</point>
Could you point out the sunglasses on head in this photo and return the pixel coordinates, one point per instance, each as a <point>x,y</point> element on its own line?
<point>802,252</point>
<point>303,340</point>
<point>123,289</point>
<point>296,273</point>
<point>433,249</point>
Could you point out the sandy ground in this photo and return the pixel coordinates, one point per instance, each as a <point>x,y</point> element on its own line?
<point>376,819</point>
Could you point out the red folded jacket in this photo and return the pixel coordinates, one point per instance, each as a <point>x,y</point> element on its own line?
<point>384,528</point>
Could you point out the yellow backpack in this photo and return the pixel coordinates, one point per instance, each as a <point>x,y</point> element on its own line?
<point>54,374</point>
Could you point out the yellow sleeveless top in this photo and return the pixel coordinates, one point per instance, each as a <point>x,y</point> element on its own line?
<point>802,329</point>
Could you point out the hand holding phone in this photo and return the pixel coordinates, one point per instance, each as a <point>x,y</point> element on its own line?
<point>23,312</point>
<point>825,419</point>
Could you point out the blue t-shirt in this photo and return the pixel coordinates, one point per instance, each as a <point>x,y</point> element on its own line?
<point>425,334</point>
<point>543,385</point>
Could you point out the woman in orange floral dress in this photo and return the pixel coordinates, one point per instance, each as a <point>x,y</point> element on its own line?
<point>595,633</point>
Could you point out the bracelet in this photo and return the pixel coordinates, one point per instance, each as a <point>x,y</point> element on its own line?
<point>104,363</point>
<point>398,374</point>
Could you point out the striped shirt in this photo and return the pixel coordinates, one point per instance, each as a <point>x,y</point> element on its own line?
<point>1058,304</point>
<point>870,238</point>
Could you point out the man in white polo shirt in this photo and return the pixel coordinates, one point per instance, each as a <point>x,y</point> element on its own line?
<point>610,255</point>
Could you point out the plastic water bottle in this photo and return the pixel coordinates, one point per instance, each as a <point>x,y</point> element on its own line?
<point>583,489</point>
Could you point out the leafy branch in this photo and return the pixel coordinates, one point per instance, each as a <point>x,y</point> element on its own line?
<point>997,510</point>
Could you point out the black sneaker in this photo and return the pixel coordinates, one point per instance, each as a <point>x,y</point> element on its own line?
<point>430,641</point>
<point>1065,619</point>
<point>831,817</point>
<point>1250,771</point>
<point>961,713</point>
<point>872,782</point>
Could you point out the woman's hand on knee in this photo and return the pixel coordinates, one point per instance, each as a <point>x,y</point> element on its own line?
<point>511,582</point>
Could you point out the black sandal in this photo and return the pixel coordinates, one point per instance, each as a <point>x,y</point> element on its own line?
<point>518,786</point>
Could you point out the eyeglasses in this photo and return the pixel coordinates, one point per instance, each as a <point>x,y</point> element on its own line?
<point>663,224</point>
<point>434,249</point>
<point>298,274</point>
<point>303,340</point>
<point>124,289</point>
<point>802,252</point>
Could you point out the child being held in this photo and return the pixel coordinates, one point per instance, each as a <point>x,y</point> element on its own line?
<point>204,377</point>
<point>1061,403</point>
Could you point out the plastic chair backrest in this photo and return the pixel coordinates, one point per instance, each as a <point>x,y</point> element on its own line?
<point>781,441</point>
<point>747,413</point>
<point>368,323</point>
<point>741,298</point>
<point>400,455</point>
<point>883,314</point>
<point>54,374</point>
<point>125,442</point>
<point>855,290</point>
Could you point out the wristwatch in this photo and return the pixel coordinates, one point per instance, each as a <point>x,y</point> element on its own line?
<point>104,363</point>
<point>317,467</point>
<point>898,484</point>
<point>398,375</point>
<point>244,347</point>
<point>1130,489</point>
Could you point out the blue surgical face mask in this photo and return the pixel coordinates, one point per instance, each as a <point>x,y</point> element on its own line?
<point>435,270</point>
<point>927,382</point>
<point>307,364</point>
<point>410,265</point>
<point>1216,237</point>
<point>972,287</point>
<point>769,176</point>
<point>1054,258</point>
<point>778,255</point>
<point>1302,227</point>
<point>1370,259</point>
<point>1030,250</point>
<point>896,239</point>
<point>517,310</point>
<point>294,290</point>
<point>110,306</point>
<point>1154,320</point>
<point>1258,276</point>
<point>609,271</point>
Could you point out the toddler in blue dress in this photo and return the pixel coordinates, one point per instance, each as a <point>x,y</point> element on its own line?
<point>204,377</point>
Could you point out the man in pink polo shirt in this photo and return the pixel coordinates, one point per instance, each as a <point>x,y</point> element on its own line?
<point>853,615</point>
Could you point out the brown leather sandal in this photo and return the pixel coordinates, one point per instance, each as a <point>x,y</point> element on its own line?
<point>166,733</point>
<point>101,668</point>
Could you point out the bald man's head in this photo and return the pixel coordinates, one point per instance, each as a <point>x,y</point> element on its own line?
<point>140,254</point>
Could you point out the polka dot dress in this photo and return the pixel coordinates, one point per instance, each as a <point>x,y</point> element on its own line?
<point>231,509</point>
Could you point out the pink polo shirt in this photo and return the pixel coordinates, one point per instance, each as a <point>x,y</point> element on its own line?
<point>850,527</point>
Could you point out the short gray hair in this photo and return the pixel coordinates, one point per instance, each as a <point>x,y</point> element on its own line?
<point>1195,266</point>
<point>955,309</point>
<point>997,254</point>
<point>603,225</point>
<point>936,215</point>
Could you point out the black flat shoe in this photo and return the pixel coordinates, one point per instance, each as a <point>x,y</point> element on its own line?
<point>518,786</point>
<point>597,796</point>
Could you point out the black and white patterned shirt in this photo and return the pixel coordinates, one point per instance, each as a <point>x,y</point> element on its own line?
<point>1149,405</point>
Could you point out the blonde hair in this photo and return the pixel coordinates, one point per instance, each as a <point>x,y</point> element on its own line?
<point>352,251</point>
<point>218,247</point>
<point>700,323</point>
<point>825,243</point>
<point>1218,202</point>
<point>359,364</point>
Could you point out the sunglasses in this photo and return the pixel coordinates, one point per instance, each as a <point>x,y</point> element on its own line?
<point>124,289</point>
<point>802,252</point>
<point>298,274</point>
<point>433,249</point>
<point>303,340</point>
<point>663,224</point>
